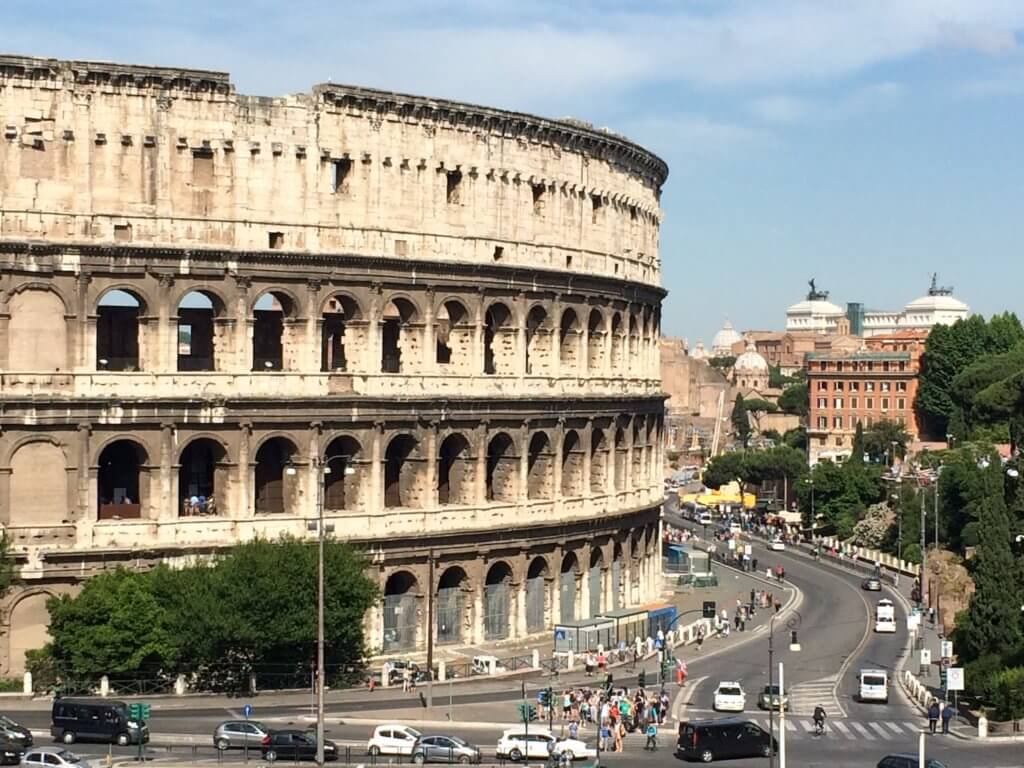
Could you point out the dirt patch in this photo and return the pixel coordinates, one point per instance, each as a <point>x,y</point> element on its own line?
<point>949,586</point>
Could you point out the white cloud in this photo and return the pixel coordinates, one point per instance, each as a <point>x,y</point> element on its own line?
<point>780,108</point>
<point>783,108</point>
<point>1004,83</point>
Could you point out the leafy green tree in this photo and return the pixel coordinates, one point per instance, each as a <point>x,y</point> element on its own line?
<point>723,363</point>
<point>740,421</point>
<point>841,495</point>
<point>879,439</point>
<point>796,438</point>
<point>858,448</point>
<point>760,405</point>
<point>725,468</point>
<point>795,399</point>
<point>777,380</point>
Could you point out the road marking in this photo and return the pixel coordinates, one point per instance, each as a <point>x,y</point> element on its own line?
<point>841,727</point>
<point>679,706</point>
<point>913,727</point>
<point>863,731</point>
<point>807,726</point>
<point>895,728</point>
<point>790,726</point>
<point>881,731</point>
<point>233,714</point>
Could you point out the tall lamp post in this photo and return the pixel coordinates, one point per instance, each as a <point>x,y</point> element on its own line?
<point>792,624</point>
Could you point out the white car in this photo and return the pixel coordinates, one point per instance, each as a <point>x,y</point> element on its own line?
<point>53,757</point>
<point>729,697</point>
<point>393,739</point>
<point>516,743</point>
<point>776,545</point>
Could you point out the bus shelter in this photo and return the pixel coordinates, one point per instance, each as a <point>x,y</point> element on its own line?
<point>582,635</point>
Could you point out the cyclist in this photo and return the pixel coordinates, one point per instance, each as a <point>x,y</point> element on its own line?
<point>819,720</point>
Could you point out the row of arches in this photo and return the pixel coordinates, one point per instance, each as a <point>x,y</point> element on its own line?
<point>397,333</point>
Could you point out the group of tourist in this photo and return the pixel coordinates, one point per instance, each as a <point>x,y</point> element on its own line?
<point>613,712</point>
<point>199,505</point>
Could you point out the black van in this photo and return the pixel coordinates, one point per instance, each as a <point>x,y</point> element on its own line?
<point>95,720</point>
<point>708,740</point>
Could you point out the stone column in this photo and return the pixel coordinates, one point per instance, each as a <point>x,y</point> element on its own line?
<point>429,358</point>
<point>242,505</point>
<point>478,335</point>
<point>583,358</point>
<point>308,357</point>
<point>628,468</point>
<point>559,439</point>
<point>243,325</point>
<point>86,497</point>
<point>477,625</point>
<point>555,369</point>
<point>165,359</point>
<point>315,477</point>
<point>374,315</point>
<point>376,500</point>
<point>518,628</point>
<point>481,462</point>
<point>586,439</point>
<point>84,332</point>
<point>523,494</point>
<point>521,312</point>
<point>433,499</point>
<point>555,587</point>
<point>608,342</point>
<point>167,506</point>
<point>609,467</point>
<point>584,591</point>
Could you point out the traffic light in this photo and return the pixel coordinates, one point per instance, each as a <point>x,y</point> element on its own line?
<point>709,611</point>
<point>527,712</point>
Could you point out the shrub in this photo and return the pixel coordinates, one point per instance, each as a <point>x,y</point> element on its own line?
<point>1008,696</point>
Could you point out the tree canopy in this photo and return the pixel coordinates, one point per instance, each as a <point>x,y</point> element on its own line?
<point>879,439</point>
<point>795,399</point>
<point>740,420</point>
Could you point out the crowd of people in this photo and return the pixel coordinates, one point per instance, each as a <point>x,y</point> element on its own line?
<point>612,712</point>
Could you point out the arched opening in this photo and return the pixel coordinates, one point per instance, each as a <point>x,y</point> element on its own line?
<point>398,347</point>
<point>635,558</point>
<point>502,469</point>
<point>37,332</point>
<point>567,587</point>
<point>572,465</point>
<point>540,466</point>
<point>119,480</point>
<point>497,589</point>
<point>202,478</point>
<point>538,341</point>
<point>620,459</point>
<point>452,605</point>
<point>335,333</point>
<point>536,595</point>
<point>617,342</point>
<point>341,475</point>
<point>634,341</point>
<point>400,612</point>
<point>499,343</point>
<point>118,330</point>
<point>401,473</point>
<point>199,336</point>
<point>639,452</point>
<point>594,579</point>
<point>598,461</point>
<point>271,313</point>
<point>595,342</point>
<point>455,471</point>
<point>569,342</point>
<point>39,485</point>
<point>30,625</point>
<point>454,336</point>
<point>275,476</point>
<point>617,598</point>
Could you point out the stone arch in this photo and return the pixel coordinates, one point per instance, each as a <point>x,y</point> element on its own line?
<point>202,333</point>
<point>618,587</point>
<point>38,484</point>
<point>119,313</point>
<point>598,461</point>
<point>37,338</point>
<point>343,475</point>
<point>274,330</point>
<point>399,338</point>
<point>621,455</point>
<point>497,601</point>
<point>122,480</point>
<point>633,350</point>
<point>29,628</point>
<point>502,469</point>
<point>402,482</point>
<point>499,340</point>
<point>618,342</point>
<point>276,479</point>
<point>567,586</point>
<point>454,610</point>
<point>538,341</point>
<point>569,338</point>
<point>202,477</point>
<point>455,471</point>
<point>639,451</point>
<point>595,342</point>
<point>595,582</point>
<point>540,465</point>
<point>454,336</point>
<point>538,598</point>
<point>401,611</point>
<point>342,331</point>
<point>572,464</point>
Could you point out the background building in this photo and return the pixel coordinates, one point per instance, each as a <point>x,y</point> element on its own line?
<point>439,321</point>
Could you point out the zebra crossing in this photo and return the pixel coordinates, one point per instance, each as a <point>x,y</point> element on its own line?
<point>804,697</point>
<point>850,730</point>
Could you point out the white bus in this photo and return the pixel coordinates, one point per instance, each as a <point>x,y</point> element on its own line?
<point>885,616</point>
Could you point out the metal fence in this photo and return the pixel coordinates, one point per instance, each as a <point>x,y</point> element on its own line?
<point>595,591</point>
<point>449,609</point>
<point>535,604</point>
<point>496,602</point>
<point>399,622</point>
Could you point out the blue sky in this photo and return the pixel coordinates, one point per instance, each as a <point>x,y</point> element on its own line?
<point>866,143</point>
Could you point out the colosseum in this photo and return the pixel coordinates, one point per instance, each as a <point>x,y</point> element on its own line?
<point>220,314</point>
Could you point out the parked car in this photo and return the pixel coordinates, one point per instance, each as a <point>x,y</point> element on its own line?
<point>481,665</point>
<point>769,698</point>
<point>705,518</point>
<point>237,734</point>
<point>11,752</point>
<point>516,743</point>
<point>729,697</point>
<point>392,739</point>
<point>709,740</point>
<point>52,757</point>
<point>295,745</point>
<point>396,670</point>
<point>777,545</point>
<point>12,731</point>
<point>906,760</point>
<point>95,720</point>
<point>871,585</point>
<point>444,749</point>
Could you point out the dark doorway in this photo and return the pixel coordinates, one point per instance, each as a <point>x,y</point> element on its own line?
<point>117,331</point>
<point>120,467</point>
<point>272,468</point>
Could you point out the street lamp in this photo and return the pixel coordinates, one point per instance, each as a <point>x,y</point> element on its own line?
<point>792,624</point>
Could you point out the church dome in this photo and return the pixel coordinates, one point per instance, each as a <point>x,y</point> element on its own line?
<point>815,307</point>
<point>936,303</point>
<point>751,361</point>
<point>721,345</point>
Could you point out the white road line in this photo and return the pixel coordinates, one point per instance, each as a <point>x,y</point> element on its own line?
<point>841,727</point>
<point>881,731</point>
<point>790,726</point>
<point>863,731</point>
<point>808,726</point>
<point>895,728</point>
<point>913,727</point>
<point>679,706</point>
<point>234,714</point>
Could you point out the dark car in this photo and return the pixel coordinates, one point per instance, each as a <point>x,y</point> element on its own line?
<point>445,749</point>
<point>11,752</point>
<point>295,745</point>
<point>708,740</point>
<point>906,760</point>
<point>12,731</point>
<point>100,720</point>
<point>871,584</point>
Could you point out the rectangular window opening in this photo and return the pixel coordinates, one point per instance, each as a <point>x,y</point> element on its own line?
<point>340,170</point>
<point>499,252</point>
<point>538,199</point>
<point>122,232</point>
<point>598,204</point>
<point>202,168</point>
<point>275,240</point>
<point>453,182</point>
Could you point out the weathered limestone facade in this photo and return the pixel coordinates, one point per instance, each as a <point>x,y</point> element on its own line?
<point>441,321</point>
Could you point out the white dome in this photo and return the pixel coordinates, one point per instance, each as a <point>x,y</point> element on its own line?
<point>721,345</point>
<point>698,352</point>
<point>816,307</point>
<point>751,361</point>
<point>939,302</point>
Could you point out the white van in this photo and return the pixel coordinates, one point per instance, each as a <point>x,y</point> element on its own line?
<point>885,616</point>
<point>874,685</point>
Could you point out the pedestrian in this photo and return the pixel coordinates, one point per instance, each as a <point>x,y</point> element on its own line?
<point>754,565</point>
<point>406,679</point>
<point>604,735</point>
<point>947,715</point>
<point>701,631</point>
<point>566,705</point>
<point>933,715</point>
<point>574,729</point>
<point>652,738</point>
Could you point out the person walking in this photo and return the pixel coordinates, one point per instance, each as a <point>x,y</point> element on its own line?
<point>652,738</point>
<point>947,715</point>
<point>933,715</point>
<point>406,679</point>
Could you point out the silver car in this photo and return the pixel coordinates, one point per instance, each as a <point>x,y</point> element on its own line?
<point>236,734</point>
<point>444,749</point>
<point>52,757</point>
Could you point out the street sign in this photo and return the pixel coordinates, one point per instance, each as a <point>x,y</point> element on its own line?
<point>955,679</point>
<point>926,657</point>
<point>913,622</point>
<point>247,711</point>
<point>709,610</point>
<point>947,649</point>
<point>559,634</point>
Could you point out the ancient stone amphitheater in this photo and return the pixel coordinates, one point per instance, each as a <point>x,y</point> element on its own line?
<point>218,312</point>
